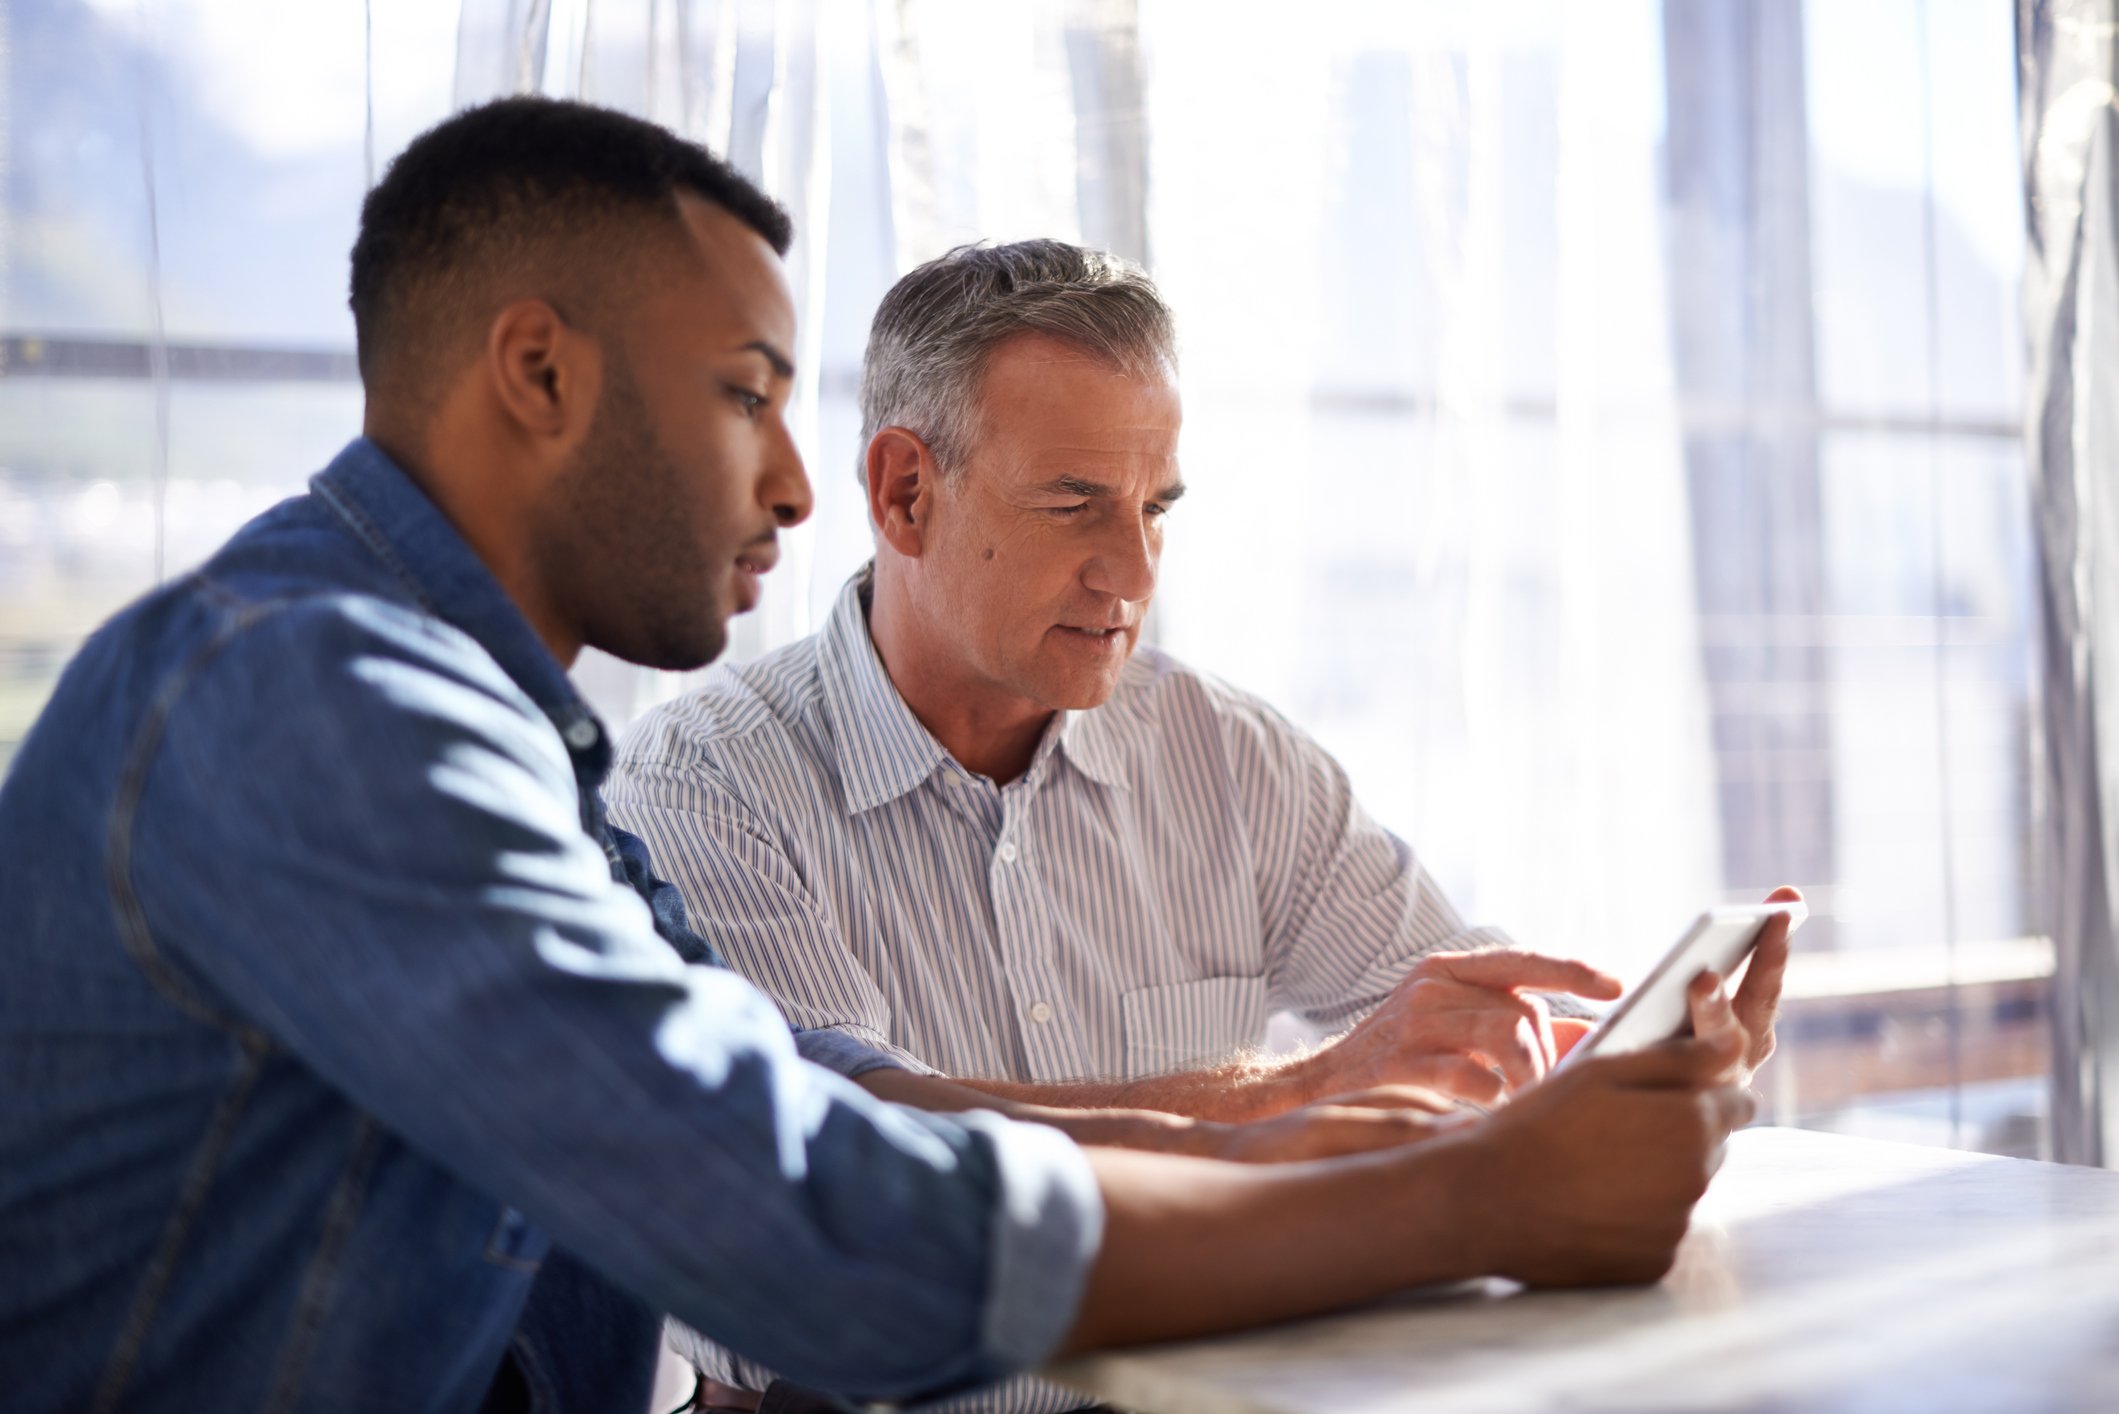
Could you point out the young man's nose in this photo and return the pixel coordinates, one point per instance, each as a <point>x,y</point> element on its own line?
<point>786,491</point>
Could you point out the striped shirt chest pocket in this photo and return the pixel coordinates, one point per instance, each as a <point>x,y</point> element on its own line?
<point>1187,1025</point>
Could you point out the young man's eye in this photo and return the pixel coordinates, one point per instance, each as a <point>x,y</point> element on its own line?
<point>747,400</point>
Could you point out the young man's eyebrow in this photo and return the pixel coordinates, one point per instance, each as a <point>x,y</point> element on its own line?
<point>782,364</point>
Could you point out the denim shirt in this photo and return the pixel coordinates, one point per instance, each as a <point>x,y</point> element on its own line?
<point>329,1004</point>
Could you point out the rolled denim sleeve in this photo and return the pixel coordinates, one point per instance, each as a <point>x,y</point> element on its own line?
<point>1043,1242</point>
<point>393,884</point>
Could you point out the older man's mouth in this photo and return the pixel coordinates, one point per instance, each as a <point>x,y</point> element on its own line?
<point>1108,638</point>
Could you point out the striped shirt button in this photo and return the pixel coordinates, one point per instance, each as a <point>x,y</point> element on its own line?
<point>1008,852</point>
<point>1041,1012</point>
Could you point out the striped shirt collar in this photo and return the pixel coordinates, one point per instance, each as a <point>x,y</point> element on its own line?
<point>884,751</point>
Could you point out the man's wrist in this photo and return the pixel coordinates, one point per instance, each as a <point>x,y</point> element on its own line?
<point>1148,1131</point>
<point>1160,1133</point>
<point>1455,1212</point>
<point>1301,1080</point>
<point>1205,1139</point>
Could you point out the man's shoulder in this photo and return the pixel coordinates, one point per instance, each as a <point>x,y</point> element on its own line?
<point>286,707</point>
<point>283,630</point>
<point>350,677</point>
<point>1157,686</point>
<point>303,588</point>
<point>738,714</point>
<point>287,599</point>
<point>1167,715</point>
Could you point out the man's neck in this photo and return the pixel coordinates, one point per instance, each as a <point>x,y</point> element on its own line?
<point>472,498</point>
<point>995,737</point>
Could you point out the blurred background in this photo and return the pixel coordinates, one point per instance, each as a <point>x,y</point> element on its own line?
<point>1605,422</point>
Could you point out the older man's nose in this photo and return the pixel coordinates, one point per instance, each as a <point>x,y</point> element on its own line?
<point>1125,564</point>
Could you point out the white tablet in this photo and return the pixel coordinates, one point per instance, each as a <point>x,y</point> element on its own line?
<point>1655,1011</point>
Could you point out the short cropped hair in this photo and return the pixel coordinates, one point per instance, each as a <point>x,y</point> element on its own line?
<point>937,328</point>
<point>522,194</point>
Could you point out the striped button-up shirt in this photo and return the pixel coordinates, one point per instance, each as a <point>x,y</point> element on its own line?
<point>1174,866</point>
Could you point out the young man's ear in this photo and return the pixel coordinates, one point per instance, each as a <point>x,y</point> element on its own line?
<point>902,476</point>
<point>545,374</point>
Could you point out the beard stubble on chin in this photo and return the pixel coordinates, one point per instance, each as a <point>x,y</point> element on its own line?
<point>618,548</point>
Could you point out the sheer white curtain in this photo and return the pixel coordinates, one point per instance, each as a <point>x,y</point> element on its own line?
<point>1599,419</point>
<point>2070,122</point>
<point>1415,258</point>
<point>1602,419</point>
<point>1438,509</point>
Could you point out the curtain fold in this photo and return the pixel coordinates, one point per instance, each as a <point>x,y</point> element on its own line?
<point>2071,306</point>
<point>1744,338</point>
<point>1111,139</point>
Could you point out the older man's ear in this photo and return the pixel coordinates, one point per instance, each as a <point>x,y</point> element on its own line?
<point>902,476</point>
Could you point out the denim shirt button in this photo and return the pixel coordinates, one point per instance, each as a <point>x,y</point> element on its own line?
<point>582,735</point>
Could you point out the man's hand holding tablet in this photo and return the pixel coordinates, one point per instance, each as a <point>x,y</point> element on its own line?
<point>1473,1029</point>
<point>1685,985</point>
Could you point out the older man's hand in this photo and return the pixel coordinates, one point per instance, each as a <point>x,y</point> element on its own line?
<point>1469,1024</point>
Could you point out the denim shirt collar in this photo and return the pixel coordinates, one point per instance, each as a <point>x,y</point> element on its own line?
<point>388,512</point>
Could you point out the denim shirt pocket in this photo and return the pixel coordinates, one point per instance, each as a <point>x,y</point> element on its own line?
<point>516,1243</point>
<point>1182,1025</point>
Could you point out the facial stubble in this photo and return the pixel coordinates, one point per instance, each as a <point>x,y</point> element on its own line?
<point>646,592</point>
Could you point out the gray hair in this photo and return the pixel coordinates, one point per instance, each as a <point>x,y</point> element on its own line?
<point>935,330</point>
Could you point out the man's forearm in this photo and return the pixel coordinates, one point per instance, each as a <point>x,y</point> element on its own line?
<point>1087,1122</point>
<point>1589,1178</point>
<point>1294,1137</point>
<point>1191,1247</point>
<point>1235,1092</point>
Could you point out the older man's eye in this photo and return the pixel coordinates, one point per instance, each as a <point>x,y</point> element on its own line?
<point>1076,509</point>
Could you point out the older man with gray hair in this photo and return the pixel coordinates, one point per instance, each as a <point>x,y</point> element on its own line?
<point>973,825</point>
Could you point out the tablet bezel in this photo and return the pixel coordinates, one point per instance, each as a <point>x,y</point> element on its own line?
<point>1717,940</point>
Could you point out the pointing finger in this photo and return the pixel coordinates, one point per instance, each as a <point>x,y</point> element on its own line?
<point>1510,969</point>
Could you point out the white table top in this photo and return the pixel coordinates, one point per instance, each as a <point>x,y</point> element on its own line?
<point>1822,1273</point>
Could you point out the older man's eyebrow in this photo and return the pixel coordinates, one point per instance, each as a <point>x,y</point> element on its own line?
<point>1075,486</point>
<point>782,364</point>
<point>1092,490</point>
